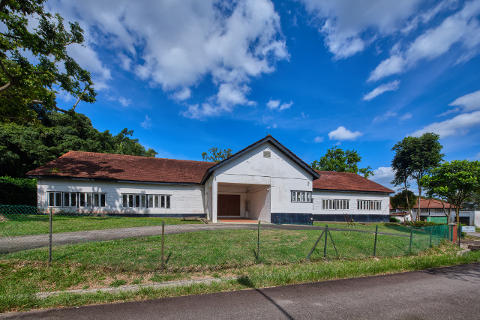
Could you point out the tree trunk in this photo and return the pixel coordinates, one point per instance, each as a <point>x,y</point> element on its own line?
<point>445,212</point>
<point>408,205</point>
<point>419,198</point>
<point>457,212</point>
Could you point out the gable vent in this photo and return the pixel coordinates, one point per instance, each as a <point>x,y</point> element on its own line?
<point>267,154</point>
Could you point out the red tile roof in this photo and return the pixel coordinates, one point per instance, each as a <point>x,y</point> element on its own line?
<point>346,181</point>
<point>93,165</point>
<point>432,204</point>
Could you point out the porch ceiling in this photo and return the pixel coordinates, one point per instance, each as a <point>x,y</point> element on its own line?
<point>240,187</point>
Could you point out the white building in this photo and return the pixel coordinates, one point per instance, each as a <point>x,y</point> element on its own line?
<point>264,181</point>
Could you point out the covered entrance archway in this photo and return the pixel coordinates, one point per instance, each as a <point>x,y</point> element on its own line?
<point>243,201</point>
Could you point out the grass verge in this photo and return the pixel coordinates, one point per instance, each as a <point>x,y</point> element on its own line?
<point>257,276</point>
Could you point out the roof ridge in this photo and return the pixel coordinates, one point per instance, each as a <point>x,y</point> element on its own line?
<point>135,156</point>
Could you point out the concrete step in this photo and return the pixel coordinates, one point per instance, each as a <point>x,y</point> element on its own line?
<point>474,247</point>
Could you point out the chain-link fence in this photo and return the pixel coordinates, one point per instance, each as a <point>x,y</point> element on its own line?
<point>176,245</point>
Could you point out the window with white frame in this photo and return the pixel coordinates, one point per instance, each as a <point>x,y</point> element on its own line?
<point>146,201</point>
<point>335,204</point>
<point>301,196</point>
<point>370,205</point>
<point>76,199</point>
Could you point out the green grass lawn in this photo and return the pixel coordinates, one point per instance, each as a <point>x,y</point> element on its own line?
<point>20,225</point>
<point>219,253</point>
<point>221,249</point>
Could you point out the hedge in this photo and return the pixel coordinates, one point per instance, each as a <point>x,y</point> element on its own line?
<point>18,191</point>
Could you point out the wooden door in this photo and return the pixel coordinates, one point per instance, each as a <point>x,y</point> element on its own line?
<point>229,205</point>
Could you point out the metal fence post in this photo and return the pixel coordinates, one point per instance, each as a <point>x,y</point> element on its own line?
<point>430,244</point>
<point>50,236</point>
<point>375,243</point>
<point>258,241</point>
<point>163,245</point>
<point>410,245</point>
<point>315,245</point>
<point>325,246</point>
<point>459,234</point>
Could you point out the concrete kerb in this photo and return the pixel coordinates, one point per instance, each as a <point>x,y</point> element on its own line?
<point>133,288</point>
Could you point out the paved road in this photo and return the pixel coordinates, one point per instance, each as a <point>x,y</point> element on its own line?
<point>448,293</point>
<point>13,244</point>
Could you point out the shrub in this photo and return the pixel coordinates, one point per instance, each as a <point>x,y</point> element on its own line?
<point>18,191</point>
<point>421,223</point>
<point>394,219</point>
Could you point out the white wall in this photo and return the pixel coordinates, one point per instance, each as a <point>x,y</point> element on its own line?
<point>184,199</point>
<point>259,204</point>
<point>352,197</point>
<point>279,172</point>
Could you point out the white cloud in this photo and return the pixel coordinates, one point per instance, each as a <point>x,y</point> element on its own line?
<point>273,104</point>
<point>125,62</point>
<point>390,86</point>
<point>349,26</point>
<point>318,139</point>
<point>88,59</point>
<point>228,96</point>
<point>341,133</point>
<point>383,175</point>
<point>277,105</point>
<point>428,15</point>
<point>468,102</point>
<point>446,113</point>
<point>458,125</point>
<point>387,115</point>
<point>392,114</point>
<point>177,44</point>
<point>124,101</point>
<point>461,28</point>
<point>182,94</point>
<point>146,123</point>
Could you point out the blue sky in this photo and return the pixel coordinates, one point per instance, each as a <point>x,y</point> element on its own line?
<point>189,75</point>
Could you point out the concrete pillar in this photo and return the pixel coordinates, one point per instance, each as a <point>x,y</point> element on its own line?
<point>214,200</point>
<point>453,231</point>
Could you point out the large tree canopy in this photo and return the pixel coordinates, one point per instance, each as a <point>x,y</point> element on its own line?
<point>34,67</point>
<point>26,146</point>
<point>414,158</point>
<point>455,181</point>
<point>34,62</point>
<point>216,155</point>
<point>339,160</point>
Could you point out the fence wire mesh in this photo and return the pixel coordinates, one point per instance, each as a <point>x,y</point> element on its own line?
<point>24,236</point>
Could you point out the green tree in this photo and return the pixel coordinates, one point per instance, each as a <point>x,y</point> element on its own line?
<point>216,155</point>
<point>404,199</point>
<point>26,146</point>
<point>455,181</point>
<point>336,159</point>
<point>34,62</point>
<point>414,158</point>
